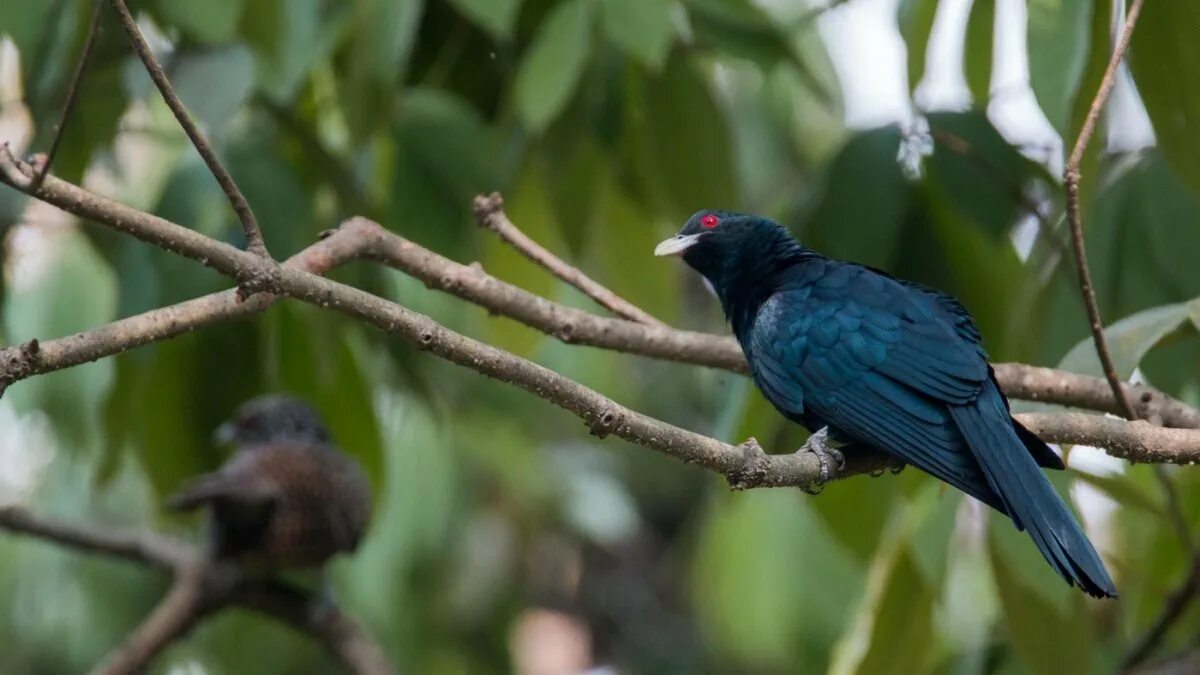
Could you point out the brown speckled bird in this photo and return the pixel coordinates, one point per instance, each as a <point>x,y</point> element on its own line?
<point>288,498</point>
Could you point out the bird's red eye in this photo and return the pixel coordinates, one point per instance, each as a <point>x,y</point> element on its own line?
<point>709,220</point>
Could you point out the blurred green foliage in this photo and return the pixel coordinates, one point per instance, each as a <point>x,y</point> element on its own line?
<point>605,122</point>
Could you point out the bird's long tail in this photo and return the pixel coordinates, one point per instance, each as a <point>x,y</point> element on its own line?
<point>1028,496</point>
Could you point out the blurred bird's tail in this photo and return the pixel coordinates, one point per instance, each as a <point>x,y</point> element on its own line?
<point>197,493</point>
<point>1027,494</point>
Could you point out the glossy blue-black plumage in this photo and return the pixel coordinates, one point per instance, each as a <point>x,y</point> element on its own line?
<point>888,365</point>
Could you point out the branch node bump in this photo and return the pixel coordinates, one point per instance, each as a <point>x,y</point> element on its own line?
<point>753,471</point>
<point>604,423</point>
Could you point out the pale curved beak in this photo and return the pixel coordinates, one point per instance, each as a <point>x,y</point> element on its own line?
<point>676,245</point>
<point>224,434</point>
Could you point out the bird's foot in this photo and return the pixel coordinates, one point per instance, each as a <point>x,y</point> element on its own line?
<point>818,444</point>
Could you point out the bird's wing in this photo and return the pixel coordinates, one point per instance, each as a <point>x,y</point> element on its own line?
<point>876,361</point>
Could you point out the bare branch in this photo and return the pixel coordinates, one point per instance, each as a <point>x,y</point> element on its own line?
<point>1136,441</point>
<point>188,601</point>
<point>489,212</point>
<point>158,552</point>
<point>1047,385</point>
<point>72,93</point>
<point>202,588</point>
<point>600,413</point>
<point>340,633</point>
<point>20,362</point>
<point>254,238</point>
<point>1071,177</point>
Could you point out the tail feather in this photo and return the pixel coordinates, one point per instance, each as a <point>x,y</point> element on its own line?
<point>1028,496</point>
<point>201,491</point>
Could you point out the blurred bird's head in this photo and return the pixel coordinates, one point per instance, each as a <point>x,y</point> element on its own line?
<point>730,248</point>
<point>273,418</point>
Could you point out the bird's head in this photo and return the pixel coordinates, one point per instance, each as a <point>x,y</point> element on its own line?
<point>273,418</point>
<point>725,246</point>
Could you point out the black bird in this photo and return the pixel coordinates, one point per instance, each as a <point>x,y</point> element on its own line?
<point>287,498</point>
<point>884,364</point>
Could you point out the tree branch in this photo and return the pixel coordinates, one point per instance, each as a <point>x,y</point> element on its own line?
<point>1071,178</point>
<point>203,588</point>
<point>254,238</point>
<point>743,466</point>
<point>188,601</point>
<point>72,93</point>
<point>489,213</point>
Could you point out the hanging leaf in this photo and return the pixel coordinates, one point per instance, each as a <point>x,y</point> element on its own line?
<point>1128,340</point>
<point>554,63</point>
<point>214,21</point>
<point>494,16</point>
<point>374,52</point>
<point>838,213</point>
<point>214,84</point>
<point>642,28</point>
<point>916,24</point>
<point>1050,635</point>
<point>688,141</point>
<point>1058,39</point>
<point>1141,235</point>
<point>977,50</point>
<point>58,285</point>
<point>983,175</point>
<point>1165,58</point>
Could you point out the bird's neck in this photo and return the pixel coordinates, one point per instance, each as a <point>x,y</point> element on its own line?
<point>748,278</point>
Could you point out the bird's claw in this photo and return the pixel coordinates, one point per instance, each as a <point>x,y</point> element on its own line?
<point>818,444</point>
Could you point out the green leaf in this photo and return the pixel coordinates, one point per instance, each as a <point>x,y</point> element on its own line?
<point>494,16</point>
<point>1141,235</point>
<point>214,84</point>
<point>375,49</point>
<point>1165,58</point>
<point>892,631</point>
<point>687,139</point>
<point>1128,340</point>
<point>751,547</point>
<point>983,176</point>
<point>1050,636</point>
<point>642,28</point>
<point>312,359</point>
<point>1058,49</point>
<point>289,39</point>
<point>916,24</point>
<point>451,139</point>
<point>58,285</point>
<point>740,29</point>
<point>1124,490</point>
<point>977,50</point>
<point>213,21</point>
<point>839,215</point>
<point>554,64</point>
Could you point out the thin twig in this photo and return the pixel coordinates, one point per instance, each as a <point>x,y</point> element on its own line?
<point>254,238</point>
<point>72,93</point>
<point>489,212</point>
<point>1071,178</point>
<point>157,552</point>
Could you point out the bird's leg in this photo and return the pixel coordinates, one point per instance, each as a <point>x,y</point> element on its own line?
<point>818,444</point>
